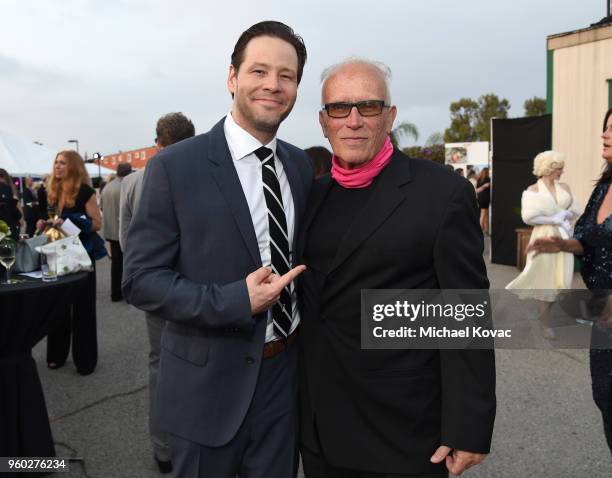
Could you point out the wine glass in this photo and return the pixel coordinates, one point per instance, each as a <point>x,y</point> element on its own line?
<point>8,248</point>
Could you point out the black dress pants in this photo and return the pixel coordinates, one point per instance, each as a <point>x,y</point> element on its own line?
<point>79,321</point>
<point>31,224</point>
<point>116,270</point>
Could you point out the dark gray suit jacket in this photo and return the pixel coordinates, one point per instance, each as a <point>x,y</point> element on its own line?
<point>189,249</point>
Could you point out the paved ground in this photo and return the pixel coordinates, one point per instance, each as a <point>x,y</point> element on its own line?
<point>547,424</point>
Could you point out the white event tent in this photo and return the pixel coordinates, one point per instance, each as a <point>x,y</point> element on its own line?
<point>22,157</point>
<point>92,170</point>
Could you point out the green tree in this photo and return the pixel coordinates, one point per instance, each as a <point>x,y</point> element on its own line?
<point>404,130</point>
<point>490,106</point>
<point>463,121</point>
<point>471,120</point>
<point>434,138</point>
<point>433,153</point>
<point>535,106</point>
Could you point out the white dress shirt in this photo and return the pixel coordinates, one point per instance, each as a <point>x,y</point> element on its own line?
<point>248,166</point>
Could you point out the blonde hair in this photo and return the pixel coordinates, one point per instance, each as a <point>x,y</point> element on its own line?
<point>63,192</point>
<point>546,162</point>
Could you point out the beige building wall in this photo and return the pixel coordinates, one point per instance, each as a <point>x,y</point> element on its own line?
<point>580,100</point>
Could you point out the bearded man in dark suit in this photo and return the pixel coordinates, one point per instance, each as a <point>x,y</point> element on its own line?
<point>210,251</point>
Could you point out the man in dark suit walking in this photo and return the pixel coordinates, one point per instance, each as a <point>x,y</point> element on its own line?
<point>384,221</point>
<point>210,250</point>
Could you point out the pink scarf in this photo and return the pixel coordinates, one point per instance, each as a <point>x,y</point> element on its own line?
<point>362,176</point>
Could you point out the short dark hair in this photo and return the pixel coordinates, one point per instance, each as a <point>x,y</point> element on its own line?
<point>172,128</point>
<point>124,169</point>
<point>321,159</point>
<point>272,29</point>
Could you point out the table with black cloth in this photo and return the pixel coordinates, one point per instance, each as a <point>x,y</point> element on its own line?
<point>28,311</point>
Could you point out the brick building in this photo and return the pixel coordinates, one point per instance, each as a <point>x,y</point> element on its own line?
<point>137,158</point>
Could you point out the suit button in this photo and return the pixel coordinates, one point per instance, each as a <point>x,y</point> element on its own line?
<point>250,360</point>
<point>323,318</point>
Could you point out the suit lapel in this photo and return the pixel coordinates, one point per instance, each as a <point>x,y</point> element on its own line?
<point>386,197</point>
<point>226,177</point>
<point>297,191</point>
<point>319,190</point>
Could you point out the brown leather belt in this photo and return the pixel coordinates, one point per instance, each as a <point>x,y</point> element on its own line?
<point>271,349</point>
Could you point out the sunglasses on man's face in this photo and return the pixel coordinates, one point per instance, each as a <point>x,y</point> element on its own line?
<point>365,108</point>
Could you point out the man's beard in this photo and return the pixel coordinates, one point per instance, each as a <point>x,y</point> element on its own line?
<point>263,124</point>
<point>267,126</point>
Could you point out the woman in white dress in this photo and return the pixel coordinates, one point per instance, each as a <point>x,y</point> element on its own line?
<point>549,207</point>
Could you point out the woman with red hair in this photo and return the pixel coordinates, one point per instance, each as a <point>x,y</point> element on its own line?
<point>70,195</point>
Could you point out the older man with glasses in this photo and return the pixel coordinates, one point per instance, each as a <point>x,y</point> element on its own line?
<point>382,220</point>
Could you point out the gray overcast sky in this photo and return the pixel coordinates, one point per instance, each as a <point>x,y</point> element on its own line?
<point>104,71</point>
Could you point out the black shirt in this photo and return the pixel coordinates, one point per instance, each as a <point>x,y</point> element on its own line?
<point>334,218</point>
<point>484,197</point>
<point>85,192</point>
<point>596,240</point>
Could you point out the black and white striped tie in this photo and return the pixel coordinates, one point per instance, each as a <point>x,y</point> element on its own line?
<point>282,315</point>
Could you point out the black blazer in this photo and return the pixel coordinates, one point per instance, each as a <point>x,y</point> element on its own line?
<point>388,410</point>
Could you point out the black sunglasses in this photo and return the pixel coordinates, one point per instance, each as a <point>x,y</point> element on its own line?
<point>365,108</point>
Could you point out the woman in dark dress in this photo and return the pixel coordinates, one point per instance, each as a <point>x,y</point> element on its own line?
<point>483,192</point>
<point>70,195</point>
<point>592,242</point>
